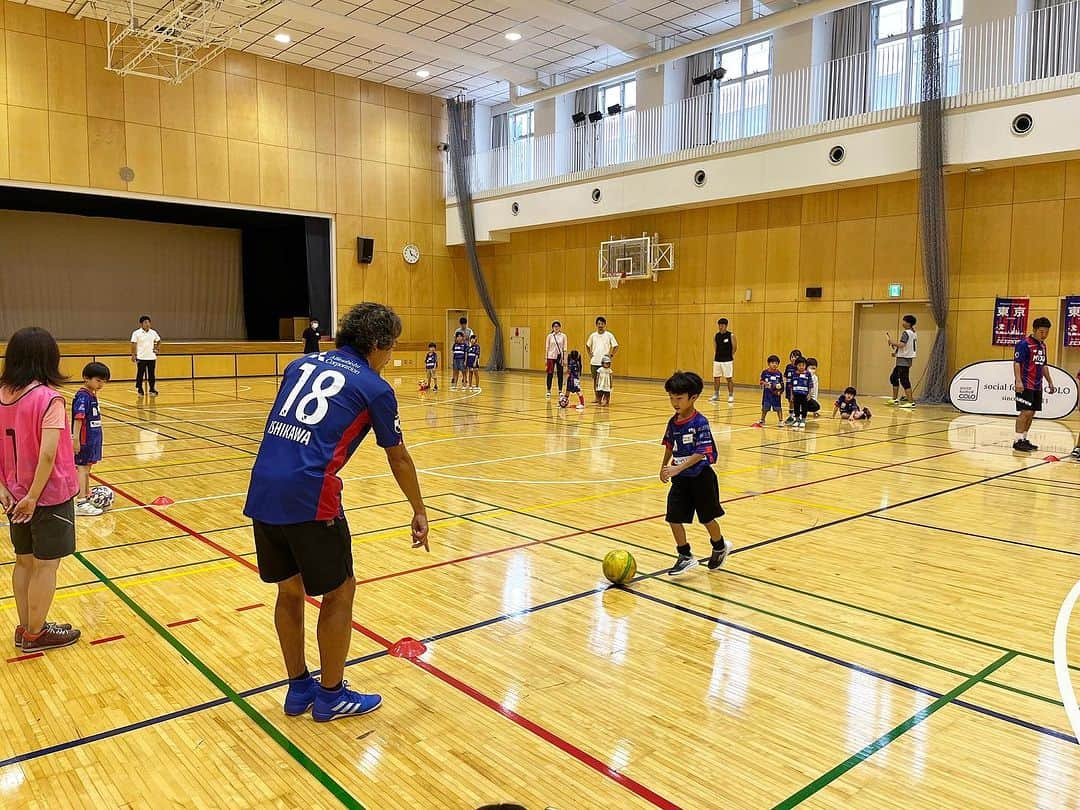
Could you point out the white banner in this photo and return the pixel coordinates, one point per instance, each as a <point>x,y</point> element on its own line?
<point>986,389</point>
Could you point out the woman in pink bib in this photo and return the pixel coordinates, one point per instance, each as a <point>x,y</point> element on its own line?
<point>38,483</point>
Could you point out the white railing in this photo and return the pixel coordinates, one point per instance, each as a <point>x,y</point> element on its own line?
<point>1031,53</point>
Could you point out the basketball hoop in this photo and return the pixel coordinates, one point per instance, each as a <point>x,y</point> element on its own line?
<point>614,278</point>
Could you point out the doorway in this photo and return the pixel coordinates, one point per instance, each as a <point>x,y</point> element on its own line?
<point>873,360</point>
<point>519,347</point>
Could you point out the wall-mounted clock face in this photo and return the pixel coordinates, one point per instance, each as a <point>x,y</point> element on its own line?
<point>411,253</point>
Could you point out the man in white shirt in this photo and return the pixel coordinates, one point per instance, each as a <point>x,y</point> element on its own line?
<point>601,343</point>
<point>144,346</point>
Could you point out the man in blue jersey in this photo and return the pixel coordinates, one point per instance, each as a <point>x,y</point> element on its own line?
<point>327,404</point>
<point>1030,369</point>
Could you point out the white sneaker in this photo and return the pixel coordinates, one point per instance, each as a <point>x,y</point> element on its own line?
<point>731,398</point>
<point>547,395</point>
<point>714,398</point>
<point>579,408</point>
<point>453,388</point>
<point>87,509</point>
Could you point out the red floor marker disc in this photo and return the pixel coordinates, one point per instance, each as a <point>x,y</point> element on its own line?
<point>408,648</point>
<point>1051,458</point>
<point>163,501</point>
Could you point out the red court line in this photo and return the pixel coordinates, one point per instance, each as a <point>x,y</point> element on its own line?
<point>106,640</point>
<point>250,607</point>
<point>563,745</point>
<point>26,657</point>
<point>182,622</point>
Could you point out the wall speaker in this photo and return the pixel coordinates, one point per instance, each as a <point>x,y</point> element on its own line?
<point>813,292</point>
<point>596,195</point>
<point>365,249</point>
<point>837,155</point>
<point>1022,124</point>
<point>700,177</point>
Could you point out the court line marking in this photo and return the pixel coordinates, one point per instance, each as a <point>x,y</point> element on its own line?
<point>868,751</point>
<point>978,536</point>
<point>1061,660</point>
<point>293,750</point>
<point>579,754</point>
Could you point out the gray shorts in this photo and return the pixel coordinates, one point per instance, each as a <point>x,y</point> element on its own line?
<point>49,535</point>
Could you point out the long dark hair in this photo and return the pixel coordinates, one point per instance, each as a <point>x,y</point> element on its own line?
<point>32,356</point>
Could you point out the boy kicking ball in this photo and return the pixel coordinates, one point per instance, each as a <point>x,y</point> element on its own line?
<point>689,455</point>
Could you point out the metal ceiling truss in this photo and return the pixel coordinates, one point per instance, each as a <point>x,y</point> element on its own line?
<point>174,41</point>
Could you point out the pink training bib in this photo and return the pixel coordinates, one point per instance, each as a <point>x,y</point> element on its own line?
<point>21,423</point>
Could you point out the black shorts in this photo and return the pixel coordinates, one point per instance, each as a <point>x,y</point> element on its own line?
<point>1029,400</point>
<point>319,551</point>
<point>699,493</point>
<point>901,377</point>
<point>49,535</point>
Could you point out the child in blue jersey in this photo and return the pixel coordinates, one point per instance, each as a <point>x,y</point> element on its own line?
<point>87,438</point>
<point>789,374</point>
<point>801,383</point>
<point>431,364</point>
<point>772,386</point>
<point>848,406</point>
<point>573,378</point>
<point>457,356</point>
<point>472,364</point>
<point>327,404</point>
<point>689,453</point>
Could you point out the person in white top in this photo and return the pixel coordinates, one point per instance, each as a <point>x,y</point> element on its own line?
<point>555,355</point>
<point>144,346</point>
<point>600,344</point>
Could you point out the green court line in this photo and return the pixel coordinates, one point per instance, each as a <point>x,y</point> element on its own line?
<point>289,747</point>
<point>782,617</point>
<point>828,777</point>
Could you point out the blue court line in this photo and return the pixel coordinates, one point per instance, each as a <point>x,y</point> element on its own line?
<point>855,667</point>
<point>978,536</point>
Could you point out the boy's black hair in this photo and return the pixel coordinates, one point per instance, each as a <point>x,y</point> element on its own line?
<point>811,361</point>
<point>96,371</point>
<point>1040,323</point>
<point>723,321</point>
<point>910,319</point>
<point>459,335</point>
<point>431,345</point>
<point>850,390</point>
<point>600,319</point>
<point>773,359</point>
<point>32,356</point>
<point>795,353</point>
<point>574,355</point>
<point>143,318</point>
<point>474,336</point>
<point>463,320</point>
<point>801,360</point>
<point>685,382</point>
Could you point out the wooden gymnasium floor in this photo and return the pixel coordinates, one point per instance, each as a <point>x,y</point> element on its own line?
<point>881,635</point>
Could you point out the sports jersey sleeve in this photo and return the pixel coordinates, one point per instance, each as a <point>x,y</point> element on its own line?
<point>384,420</point>
<point>1022,353</point>
<point>704,443</point>
<point>668,440</point>
<point>80,406</point>
<point>764,376</point>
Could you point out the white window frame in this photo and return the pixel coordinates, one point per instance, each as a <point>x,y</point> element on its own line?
<point>742,129</point>
<point>621,85</point>
<point>951,49</point>
<point>521,146</point>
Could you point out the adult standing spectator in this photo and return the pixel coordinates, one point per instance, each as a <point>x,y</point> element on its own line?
<point>600,344</point>
<point>905,350</point>
<point>144,347</point>
<point>312,336</point>
<point>723,367</point>
<point>327,404</point>
<point>464,329</point>
<point>555,355</point>
<point>1030,369</point>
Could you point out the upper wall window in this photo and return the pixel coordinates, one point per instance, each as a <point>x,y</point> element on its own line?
<point>741,101</point>
<point>623,93</point>
<point>897,40</point>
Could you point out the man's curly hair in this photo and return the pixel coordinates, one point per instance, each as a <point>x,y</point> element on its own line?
<point>368,326</point>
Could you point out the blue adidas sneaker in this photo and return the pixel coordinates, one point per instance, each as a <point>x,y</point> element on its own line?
<point>343,702</point>
<point>301,696</point>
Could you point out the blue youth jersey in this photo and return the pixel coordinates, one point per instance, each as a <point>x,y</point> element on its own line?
<point>1030,353</point>
<point>327,404</point>
<point>691,435</point>
<point>459,351</point>
<point>473,355</point>
<point>431,360</point>
<point>86,414</point>
<point>801,383</point>
<point>847,406</point>
<point>772,387</point>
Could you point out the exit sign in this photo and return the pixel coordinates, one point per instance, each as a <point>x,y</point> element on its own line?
<point>896,290</point>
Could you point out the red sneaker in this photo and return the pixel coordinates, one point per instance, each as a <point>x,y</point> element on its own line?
<point>50,638</point>
<point>20,630</point>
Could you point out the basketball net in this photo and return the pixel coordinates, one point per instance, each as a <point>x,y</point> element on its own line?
<point>614,278</point>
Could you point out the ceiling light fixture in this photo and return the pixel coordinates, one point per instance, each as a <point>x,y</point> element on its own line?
<point>423,74</point>
<point>283,38</point>
<point>513,36</point>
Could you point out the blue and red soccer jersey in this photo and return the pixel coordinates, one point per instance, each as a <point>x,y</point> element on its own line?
<point>472,355</point>
<point>1030,353</point>
<point>770,395</point>
<point>431,360</point>
<point>86,417</point>
<point>687,437</point>
<point>573,376</point>
<point>327,404</point>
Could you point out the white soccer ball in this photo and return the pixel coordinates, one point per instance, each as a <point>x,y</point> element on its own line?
<point>102,497</point>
